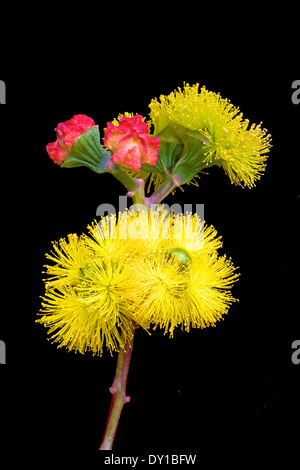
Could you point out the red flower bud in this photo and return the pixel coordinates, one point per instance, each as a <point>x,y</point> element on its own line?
<point>67,133</point>
<point>131,144</point>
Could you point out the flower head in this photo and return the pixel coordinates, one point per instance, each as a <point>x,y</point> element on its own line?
<point>67,133</point>
<point>214,133</point>
<point>84,305</point>
<point>70,257</point>
<point>146,268</point>
<point>180,279</point>
<point>172,292</point>
<point>75,322</point>
<point>130,143</point>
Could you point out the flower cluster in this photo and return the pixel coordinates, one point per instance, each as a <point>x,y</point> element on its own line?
<point>147,268</point>
<point>100,286</point>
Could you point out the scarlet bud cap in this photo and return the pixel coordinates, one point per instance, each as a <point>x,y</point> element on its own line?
<point>67,133</point>
<point>130,143</point>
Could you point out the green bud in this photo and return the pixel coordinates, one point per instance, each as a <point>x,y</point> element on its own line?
<point>181,254</point>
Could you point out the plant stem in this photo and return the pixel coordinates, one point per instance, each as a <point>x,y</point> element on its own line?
<point>138,196</point>
<point>134,186</point>
<point>123,176</point>
<point>168,185</point>
<point>119,397</point>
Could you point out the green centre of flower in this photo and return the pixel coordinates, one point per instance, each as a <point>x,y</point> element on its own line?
<point>181,254</point>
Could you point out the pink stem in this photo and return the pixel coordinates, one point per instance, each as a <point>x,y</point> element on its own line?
<point>119,397</point>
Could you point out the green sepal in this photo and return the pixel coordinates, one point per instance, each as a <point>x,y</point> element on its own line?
<point>194,157</point>
<point>168,155</point>
<point>87,151</point>
<point>171,133</point>
<point>167,129</point>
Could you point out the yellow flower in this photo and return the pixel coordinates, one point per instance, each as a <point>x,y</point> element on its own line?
<point>180,280</point>
<point>84,305</point>
<point>204,119</point>
<point>75,322</point>
<point>146,268</point>
<point>171,293</point>
<point>70,257</point>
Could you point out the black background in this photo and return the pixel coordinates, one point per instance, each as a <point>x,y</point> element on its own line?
<point>233,384</point>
